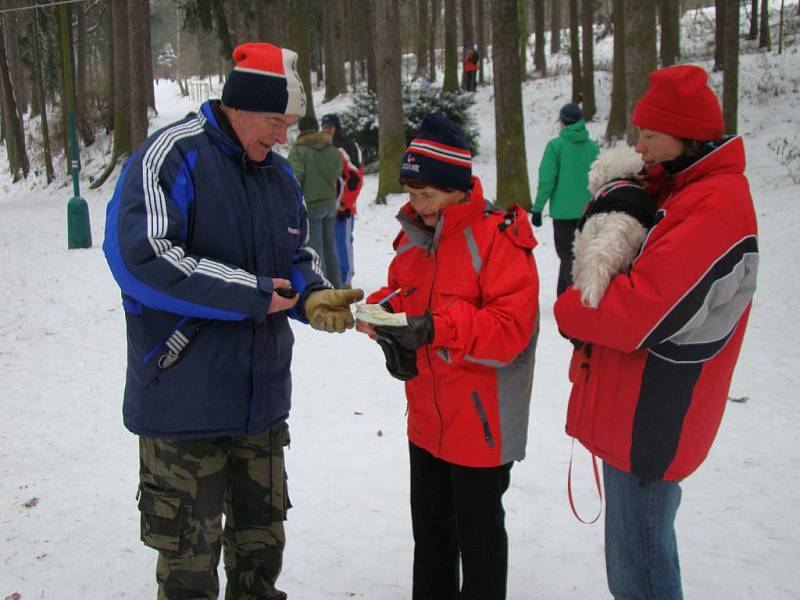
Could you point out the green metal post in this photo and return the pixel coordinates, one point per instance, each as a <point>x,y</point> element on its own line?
<point>79,231</point>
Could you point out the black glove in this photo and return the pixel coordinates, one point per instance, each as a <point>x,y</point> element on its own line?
<point>536,219</point>
<point>400,362</point>
<point>417,333</point>
<point>343,213</point>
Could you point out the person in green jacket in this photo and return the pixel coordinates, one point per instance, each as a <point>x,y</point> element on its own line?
<point>563,181</point>
<point>317,166</point>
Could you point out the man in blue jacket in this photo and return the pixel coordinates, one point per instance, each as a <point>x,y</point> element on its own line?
<point>206,236</point>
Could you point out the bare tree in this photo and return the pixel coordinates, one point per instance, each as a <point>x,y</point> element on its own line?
<point>391,137</point>
<point>616,116</point>
<point>753,33</point>
<point>481,33</point>
<point>575,51</point>
<point>300,44</point>
<point>640,56</point>
<point>538,49</point>
<point>138,94</point>
<point>85,128</point>
<point>765,39</point>
<point>18,163</point>
<point>333,26</point>
<point>41,98</point>
<point>587,23</point>
<point>372,58</point>
<point>719,33</point>
<point>670,17</point>
<point>435,10</point>
<point>555,26</point>
<point>512,166</point>
<point>423,25</point>
<point>450,83</point>
<point>730,93</point>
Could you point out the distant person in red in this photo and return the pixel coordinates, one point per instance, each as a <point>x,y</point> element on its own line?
<point>471,65</point>
<point>651,378</point>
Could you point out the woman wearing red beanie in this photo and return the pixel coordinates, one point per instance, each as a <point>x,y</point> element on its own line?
<point>651,379</point>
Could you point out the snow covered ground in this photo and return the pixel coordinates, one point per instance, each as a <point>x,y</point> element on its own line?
<point>62,443</point>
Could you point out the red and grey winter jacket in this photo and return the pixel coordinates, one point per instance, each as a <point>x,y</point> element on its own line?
<point>651,382</point>
<point>476,274</point>
<point>350,183</point>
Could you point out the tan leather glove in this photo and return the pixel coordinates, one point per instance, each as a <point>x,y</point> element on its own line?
<point>329,310</point>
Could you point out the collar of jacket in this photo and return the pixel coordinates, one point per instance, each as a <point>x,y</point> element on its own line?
<point>315,139</point>
<point>728,157</point>
<point>454,218</point>
<point>220,131</point>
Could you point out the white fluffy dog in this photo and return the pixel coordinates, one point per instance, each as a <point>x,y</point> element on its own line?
<point>614,226</point>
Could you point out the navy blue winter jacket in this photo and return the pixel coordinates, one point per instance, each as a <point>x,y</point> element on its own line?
<point>195,232</point>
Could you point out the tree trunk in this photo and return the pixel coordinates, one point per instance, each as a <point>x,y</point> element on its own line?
<point>670,11</point>
<point>753,34</point>
<point>587,22</point>
<point>467,34</point>
<point>14,52</point>
<point>780,31</point>
<point>555,26</point>
<point>640,57</point>
<point>262,29</point>
<point>138,95</point>
<point>481,35</point>
<point>333,27</point>
<point>522,18</point>
<point>108,24</point>
<point>371,49</point>
<point>85,130</point>
<point>223,28</point>
<point>719,33</point>
<point>391,139</point>
<point>730,94</point>
<point>301,45</point>
<point>148,56</point>
<point>450,83</point>
<point>512,165</point>
<point>575,51</point>
<point>435,10</point>
<point>765,39</point>
<point>18,163</point>
<point>122,90</point>
<point>423,25</point>
<point>66,77</point>
<point>352,31</point>
<point>538,51</point>
<point>616,116</point>
<point>38,92</point>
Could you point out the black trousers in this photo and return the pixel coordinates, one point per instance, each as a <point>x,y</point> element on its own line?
<point>457,514</point>
<point>563,235</point>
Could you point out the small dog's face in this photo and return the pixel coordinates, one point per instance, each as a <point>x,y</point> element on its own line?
<point>656,147</point>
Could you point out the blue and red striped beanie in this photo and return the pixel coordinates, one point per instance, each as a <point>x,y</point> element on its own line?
<point>264,79</point>
<point>439,155</point>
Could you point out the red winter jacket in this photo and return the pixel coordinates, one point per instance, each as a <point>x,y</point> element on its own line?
<point>349,184</point>
<point>469,404</point>
<point>650,385</point>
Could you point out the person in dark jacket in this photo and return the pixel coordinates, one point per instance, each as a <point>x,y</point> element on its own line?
<point>206,237</point>
<point>349,188</point>
<point>468,289</point>
<point>563,182</point>
<point>650,381</point>
<point>318,167</point>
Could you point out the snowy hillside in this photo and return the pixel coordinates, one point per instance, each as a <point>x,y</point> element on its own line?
<point>69,527</point>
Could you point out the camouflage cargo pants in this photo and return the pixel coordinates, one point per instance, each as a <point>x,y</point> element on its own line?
<point>186,485</point>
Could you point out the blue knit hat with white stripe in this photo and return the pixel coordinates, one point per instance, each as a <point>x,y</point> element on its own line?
<point>439,155</point>
<point>264,79</point>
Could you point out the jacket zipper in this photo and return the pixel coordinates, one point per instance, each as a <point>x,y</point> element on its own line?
<point>487,432</point>
<point>428,355</point>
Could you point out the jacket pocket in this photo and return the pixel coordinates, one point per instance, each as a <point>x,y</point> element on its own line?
<point>164,517</point>
<point>478,405</point>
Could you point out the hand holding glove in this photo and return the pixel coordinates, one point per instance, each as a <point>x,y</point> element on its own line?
<point>536,219</point>
<point>416,334</point>
<point>329,310</point>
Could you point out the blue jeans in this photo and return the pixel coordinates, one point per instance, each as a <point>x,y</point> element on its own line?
<point>344,246</point>
<point>322,238</point>
<point>641,548</point>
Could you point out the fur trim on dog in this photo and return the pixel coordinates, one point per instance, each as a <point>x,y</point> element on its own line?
<point>607,245</point>
<point>618,162</point>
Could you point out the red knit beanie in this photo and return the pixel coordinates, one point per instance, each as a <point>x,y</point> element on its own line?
<point>680,103</point>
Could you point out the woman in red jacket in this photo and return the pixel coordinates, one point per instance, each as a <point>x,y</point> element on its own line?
<point>469,292</point>
<point>651,380</point>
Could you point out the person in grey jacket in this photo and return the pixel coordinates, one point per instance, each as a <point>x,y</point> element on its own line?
<point>317,166</point>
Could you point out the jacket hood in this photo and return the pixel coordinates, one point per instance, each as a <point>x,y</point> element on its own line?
<point>316,139</point>
<point>576,132</point>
